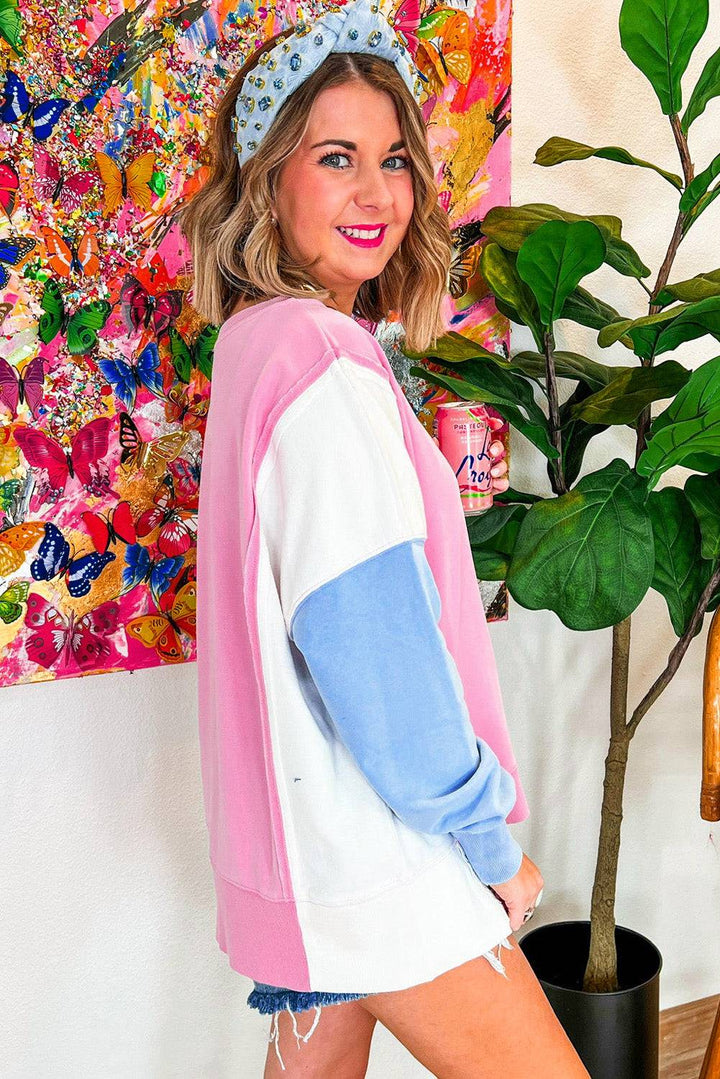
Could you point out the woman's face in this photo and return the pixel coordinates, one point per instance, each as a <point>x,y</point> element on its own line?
<point>350,171</point>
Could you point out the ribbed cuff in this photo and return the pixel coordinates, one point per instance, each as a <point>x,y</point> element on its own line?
<point>496,856</point>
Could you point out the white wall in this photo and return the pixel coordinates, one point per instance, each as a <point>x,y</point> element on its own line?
<point>110,968</point>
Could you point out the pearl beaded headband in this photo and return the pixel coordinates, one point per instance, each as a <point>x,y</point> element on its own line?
<point>358,26</point>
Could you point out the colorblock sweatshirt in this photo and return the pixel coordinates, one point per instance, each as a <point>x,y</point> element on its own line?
<point>357,770</point>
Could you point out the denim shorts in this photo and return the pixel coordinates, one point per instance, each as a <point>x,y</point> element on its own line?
<point>272,999</point>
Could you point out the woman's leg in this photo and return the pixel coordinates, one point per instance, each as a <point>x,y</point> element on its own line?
<point>473,1023</point>
<point>338,1048</point>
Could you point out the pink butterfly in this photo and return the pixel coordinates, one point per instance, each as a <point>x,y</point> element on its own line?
<point>20,388</point>
<point>54,635</point>
<point>88,447</point>
<point>51,185</point>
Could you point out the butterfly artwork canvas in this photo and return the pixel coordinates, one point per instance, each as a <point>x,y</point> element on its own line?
<point>106,369</point>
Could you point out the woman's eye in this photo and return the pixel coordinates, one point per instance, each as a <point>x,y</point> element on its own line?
<point>396,157</point>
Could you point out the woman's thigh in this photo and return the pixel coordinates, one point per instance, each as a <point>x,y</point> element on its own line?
<point>473,1023</point>
<point>338,1048</point>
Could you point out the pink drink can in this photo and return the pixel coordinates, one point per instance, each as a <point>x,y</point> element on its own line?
<point>464,436</point>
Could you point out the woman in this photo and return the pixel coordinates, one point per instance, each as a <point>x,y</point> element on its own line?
<point>357,769</point>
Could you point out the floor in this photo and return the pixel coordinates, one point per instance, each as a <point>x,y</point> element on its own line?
<point>684,1034</point>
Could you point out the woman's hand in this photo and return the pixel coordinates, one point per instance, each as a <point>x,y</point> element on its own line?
<point>496,449</point>
<point>520,892</point>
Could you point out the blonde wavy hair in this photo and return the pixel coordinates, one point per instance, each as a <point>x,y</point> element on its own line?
<point>238,253</point>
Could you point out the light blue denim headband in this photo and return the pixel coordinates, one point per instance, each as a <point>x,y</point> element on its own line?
<point>359,26</point>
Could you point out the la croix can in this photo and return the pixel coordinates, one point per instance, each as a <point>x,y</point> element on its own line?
<point>464,434</point>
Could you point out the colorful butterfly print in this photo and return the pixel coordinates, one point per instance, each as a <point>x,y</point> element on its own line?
<point>15,542</point>
<point>8,492</point>
<point>23,388</point>
<point>118,525</point>
<point>66,257</point>
<point>162,631</point>
<point>112,77</point>
<point>199,355</point>
<point>139,307</point>
<point>10,23</point>
<point>81,328</point>
<point>175,519</point>
<point>465,258</point>
<point>17,105</point>
<point>130,182</point>
<point>139,454</point>
<point>405,21</point>
<point>54,635</point>
<point>11,601</point>
<point>185,472</point>
<point>188,411</point>
<point>54,560</point>
<point>52,185</point>
<point>139,567</point>
<point>9,186</point>
<point>89,445</point>
<point>451,56</point>
<point>13,250</point>
<point>126,378</point>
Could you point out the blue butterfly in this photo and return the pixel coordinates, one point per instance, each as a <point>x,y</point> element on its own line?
<point>140,567</point>
<point>54,560</point>
<point>125,378</point>
<point>43,115</point>
<point>13,249</point>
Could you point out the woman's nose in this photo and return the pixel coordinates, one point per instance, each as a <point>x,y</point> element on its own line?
<point>373,189</point>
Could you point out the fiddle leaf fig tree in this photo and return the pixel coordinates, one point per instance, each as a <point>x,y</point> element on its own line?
<point>591,551</point>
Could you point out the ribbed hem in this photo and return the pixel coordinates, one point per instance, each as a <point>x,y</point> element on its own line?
<point>496,855</point>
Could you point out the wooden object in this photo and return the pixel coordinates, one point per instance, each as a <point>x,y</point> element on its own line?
<point>710,790</point>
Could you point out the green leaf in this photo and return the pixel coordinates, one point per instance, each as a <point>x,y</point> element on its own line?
<point>511,495</point>
<point>680,572</point>
<point>586,309</point>
<point>689,428</point>
<point>487,377</point>
<point>587,555</point>
<point>500,272</point>
<point>493,535</point>
<point>693,289</point>
<point>703,493</point>
<point>623,399</point>
<point>698,187</point>
<point>484,527</point>
<point>534,431</point>
<point>455,347</point>
<point>557,150</point>
<point>555,258</point>
<point>700,208</point>
<point>707,87</point>
<point>568,365</point>
<point>659,36</point>
<point>615,331</point>
<point>576,435</point>
<point>664,331</point>
<point>510,226</point>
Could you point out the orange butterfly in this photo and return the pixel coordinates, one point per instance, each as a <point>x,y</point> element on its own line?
<point>15,541</point>
<point>126,183</point>
<point>68,258</point>
<point>452,56</point>
<point>162,629</point>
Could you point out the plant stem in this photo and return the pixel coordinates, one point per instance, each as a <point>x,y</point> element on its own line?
<point>601,970</point>
<point>676,655</point>
<point>558,475</point>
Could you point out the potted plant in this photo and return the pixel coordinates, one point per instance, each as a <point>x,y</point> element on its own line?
<point>591,551</point>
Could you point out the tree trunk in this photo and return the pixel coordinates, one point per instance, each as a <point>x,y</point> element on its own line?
<point>601,971</point>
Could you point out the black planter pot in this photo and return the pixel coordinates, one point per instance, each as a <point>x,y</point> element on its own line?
<point>616,1035</point>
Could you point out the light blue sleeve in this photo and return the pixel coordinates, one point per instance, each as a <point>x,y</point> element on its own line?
<point>374,648</point>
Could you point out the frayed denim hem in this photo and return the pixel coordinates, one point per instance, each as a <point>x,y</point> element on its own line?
<point>268,1002</point>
